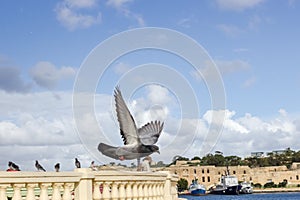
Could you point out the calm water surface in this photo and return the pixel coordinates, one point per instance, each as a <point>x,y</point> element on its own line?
<point>273,196</point>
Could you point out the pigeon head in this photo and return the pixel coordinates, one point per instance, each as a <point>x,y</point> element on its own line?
<point>154,148</point>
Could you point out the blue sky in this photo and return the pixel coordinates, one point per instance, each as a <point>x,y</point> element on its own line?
<point>254,43</point>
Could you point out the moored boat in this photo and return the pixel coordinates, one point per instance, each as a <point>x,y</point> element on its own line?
<point>196,189</point>
<point>246,188</point>
<point>229,185</point>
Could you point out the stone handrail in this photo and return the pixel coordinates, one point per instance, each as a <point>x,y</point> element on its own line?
<point>84,184</point>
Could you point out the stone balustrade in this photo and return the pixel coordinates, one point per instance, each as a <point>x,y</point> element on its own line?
<point>84,184</point>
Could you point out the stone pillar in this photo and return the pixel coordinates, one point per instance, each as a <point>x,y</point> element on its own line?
<point>146,191</point>
<point>3,191</point>
<point>140,192</point>
<point>97,193</point>
<point>17,191</point>
<point>44,191</point>
<point>30,191</point>
<point>167,187</point>
<point>56,191</point>
<point>114,191</point>
<point>135,193</point>
<point>106,190</point>
<point>122,193</point>
<point>83,189</point>
<point>128,189</point>
<point>67,191</point>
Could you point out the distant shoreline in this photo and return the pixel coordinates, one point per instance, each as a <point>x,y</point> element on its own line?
<point>275,190</point>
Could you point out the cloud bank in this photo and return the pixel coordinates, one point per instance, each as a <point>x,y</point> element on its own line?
<point>40,126</point>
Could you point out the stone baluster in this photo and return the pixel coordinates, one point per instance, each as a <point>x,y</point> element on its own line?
<point>97,194</point>
<point>154,191</point>
<point>106,190</point>
<point>17,191</point>
<point>161,191</point>
<point>122,193</point>
<point>30,191</point>
<point>140,192</point>
<point>44,191</point>
<point>3,191</point>
<point>114,191</point>
<point>146,191</point>
<point>135,193</point>
<point>56,195</point>
<point>128,190</point>
<point>150,191</point>
<point>67,191</point>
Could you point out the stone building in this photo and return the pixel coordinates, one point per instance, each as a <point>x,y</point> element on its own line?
<point>210,175</point>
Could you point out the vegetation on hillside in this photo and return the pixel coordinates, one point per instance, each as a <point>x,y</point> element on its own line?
<point>286,157</point>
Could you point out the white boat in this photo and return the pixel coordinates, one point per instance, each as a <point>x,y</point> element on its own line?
<point>228,185</point>
<point>246,188</point>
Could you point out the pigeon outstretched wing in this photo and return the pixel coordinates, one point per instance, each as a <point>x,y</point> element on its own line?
<point>127,125</point>
<point>108,150</point>
<point>150,132</point>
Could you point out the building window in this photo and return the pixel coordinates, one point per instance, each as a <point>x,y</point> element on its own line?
<point>202,171</point>
<point>245,172</point>
<point>297,177</point>
<point>203,179</point>
<point>195,171</point>
<point>250,178</point>
<point>233,172</point>
<point>208,171</point>
<point>208,179</point>
<point>219,173</point>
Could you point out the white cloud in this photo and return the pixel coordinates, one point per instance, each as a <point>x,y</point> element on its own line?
<point>232,66</point>
<point>225,67</point>
<point>69,14</point>
<point>12,81</point>
<point>118,4</point>
<point>186,22</point>
<point>238,5</point>
<point>224,117</point>
<point>249,82</point>
<point>121,68</point>
<point>40,126</point>
<point>47,75</point>
<point>122,6</point>
<point>81,3</point>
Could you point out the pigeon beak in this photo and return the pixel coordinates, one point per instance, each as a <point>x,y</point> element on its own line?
<point>158,152</point>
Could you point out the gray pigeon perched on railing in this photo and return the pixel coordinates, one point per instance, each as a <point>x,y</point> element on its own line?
<point>138,143</point>
<point>57,167</point>
<point>77,163</point>
<point>38,166</point>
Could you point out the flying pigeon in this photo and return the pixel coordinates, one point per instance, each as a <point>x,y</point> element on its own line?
<point>56,167</point>
<point>77,163</point>
<point>38,166</point>
<point>13,166</point>
<point>138,142</point>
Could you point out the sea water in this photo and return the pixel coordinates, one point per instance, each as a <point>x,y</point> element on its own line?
<point>263,196</point>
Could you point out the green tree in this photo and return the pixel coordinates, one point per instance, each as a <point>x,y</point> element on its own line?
<point>196,158</point>
<point>182,184</point>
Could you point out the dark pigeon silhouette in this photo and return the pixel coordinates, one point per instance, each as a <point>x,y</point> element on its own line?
<point>77,163</point>
<point>138,143</point>
<point>13,166</point>
<point>57,167</point>
<point>38,166</point>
